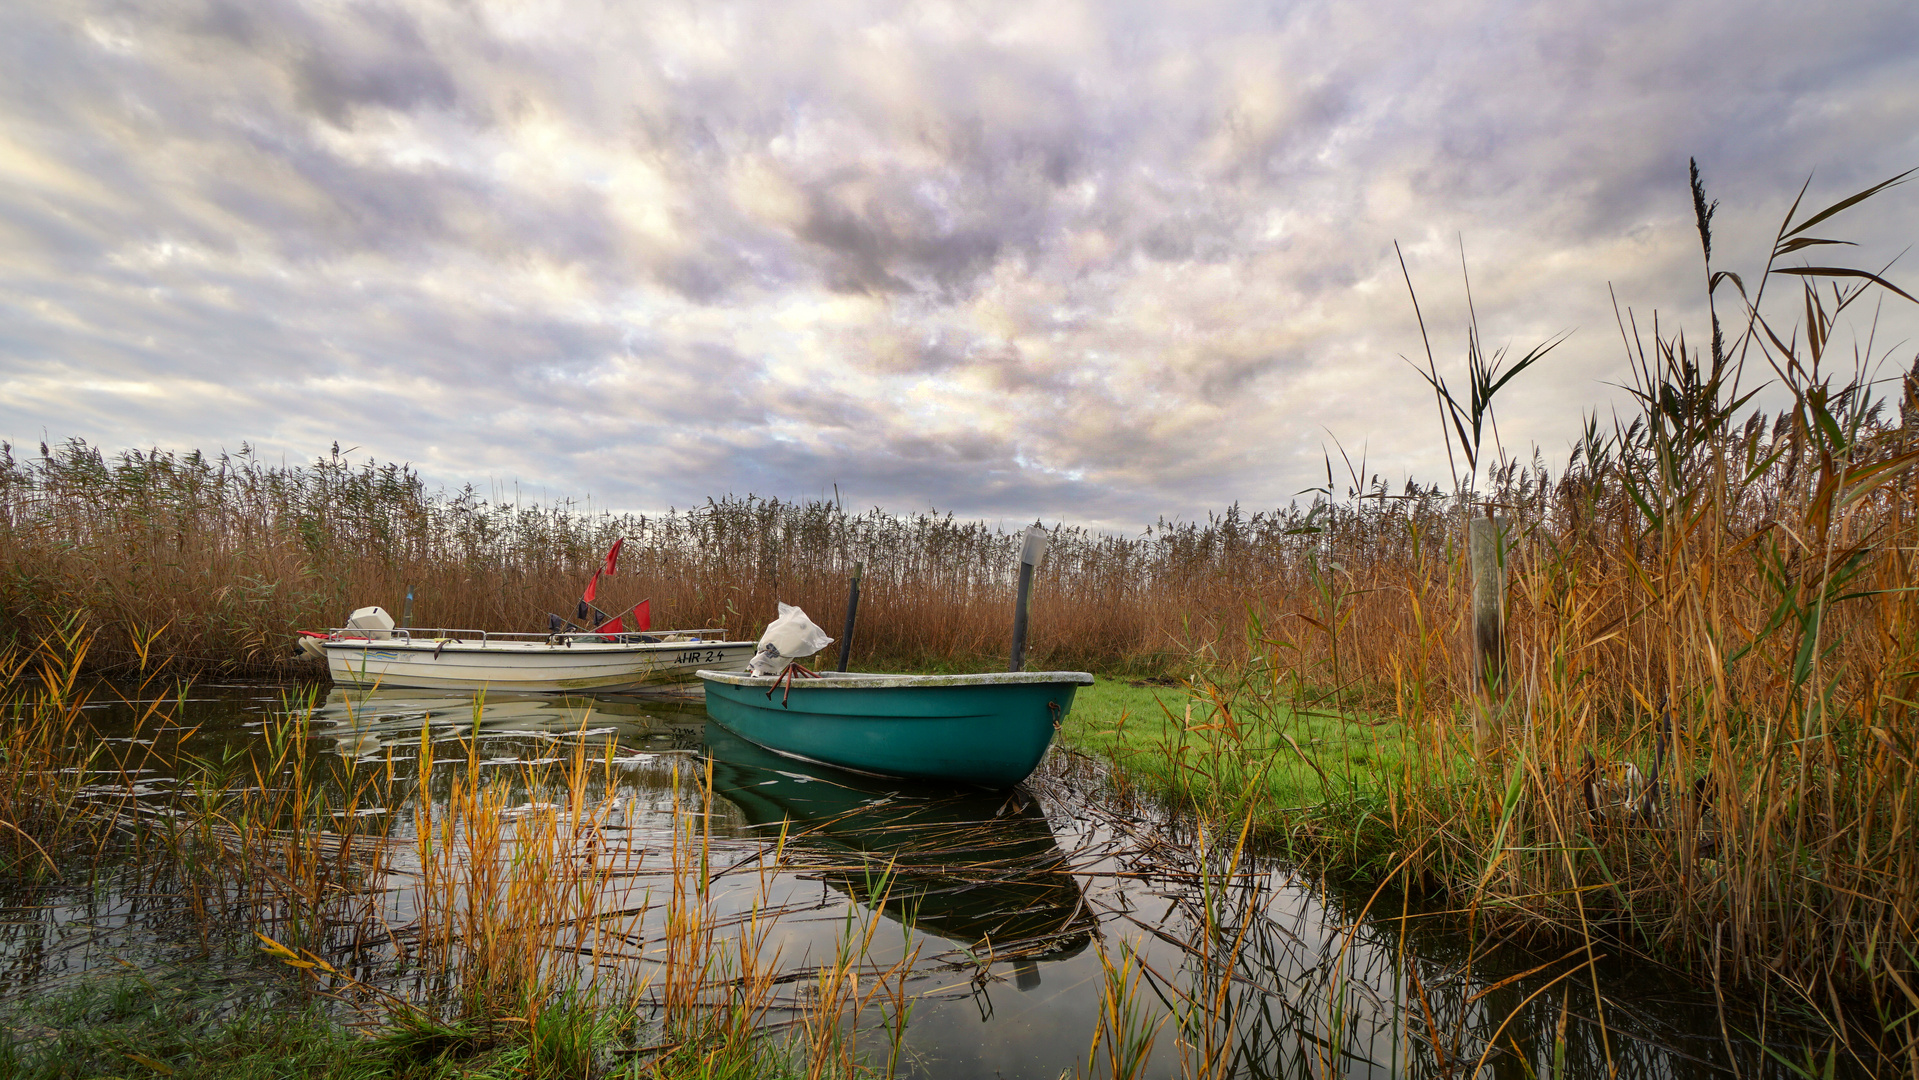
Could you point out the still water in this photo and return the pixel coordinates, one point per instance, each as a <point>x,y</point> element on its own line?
<point>1004,915</point>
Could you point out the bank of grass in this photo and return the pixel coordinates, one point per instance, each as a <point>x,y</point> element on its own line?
<point>1228,756</point>
<point>131,1024</point>
<point>128,1025</point>
<point>233,556</point>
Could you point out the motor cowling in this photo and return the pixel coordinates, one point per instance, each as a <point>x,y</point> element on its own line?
<point>374,622</point>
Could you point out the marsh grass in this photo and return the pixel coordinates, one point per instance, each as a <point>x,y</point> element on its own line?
<point>516,925</point>
<point>464,921</point>
<point>115,1025</point>
<point>1223,975</point>
<point>1704,749</point>
<point>232,555</point>
<point>1726,600</point>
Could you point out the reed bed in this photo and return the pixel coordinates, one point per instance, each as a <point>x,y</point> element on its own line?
<point>232,555</point>
<point>1703,746</point>
<point>506,911</point>
<point>510,916</point>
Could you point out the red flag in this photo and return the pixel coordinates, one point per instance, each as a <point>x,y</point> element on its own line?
<point>613,626</point>
<point>643,615</point>
<point>613,556</point>
<point>592,588</point>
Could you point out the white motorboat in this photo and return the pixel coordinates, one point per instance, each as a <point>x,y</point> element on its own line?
<point>371,651</point>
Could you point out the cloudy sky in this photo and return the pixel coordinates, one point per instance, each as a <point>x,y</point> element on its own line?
<point>1092,262</point>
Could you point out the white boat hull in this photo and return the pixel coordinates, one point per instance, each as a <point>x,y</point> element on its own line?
<point>531,666</point>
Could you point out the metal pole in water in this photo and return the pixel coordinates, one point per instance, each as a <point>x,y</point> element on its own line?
<point>1030,553</point>
<point>852,611</point>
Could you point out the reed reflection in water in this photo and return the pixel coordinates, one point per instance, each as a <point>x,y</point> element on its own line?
<point>1017,925</point>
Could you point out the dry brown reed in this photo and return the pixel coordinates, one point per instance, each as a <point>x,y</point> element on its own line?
<point>449,902</point>
<point>1723,600</point>
<point>233,555</point>
<point>63,794</point>
<point>1707,747</point>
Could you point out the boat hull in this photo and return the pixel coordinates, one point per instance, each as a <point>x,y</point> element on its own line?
<point>527,666</point>
<point>989,730</point>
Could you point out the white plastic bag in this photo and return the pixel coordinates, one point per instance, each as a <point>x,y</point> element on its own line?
<point>787,638</point>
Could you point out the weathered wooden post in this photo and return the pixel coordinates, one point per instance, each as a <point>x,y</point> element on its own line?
<point>1030,553</point>
<point>852,612</point>
<point>1488,559</point>
<point>1489,592</point>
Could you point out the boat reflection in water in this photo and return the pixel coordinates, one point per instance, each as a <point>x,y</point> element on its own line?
<point>636,744</point>
<point>363,722</point>
<point>980,869</point>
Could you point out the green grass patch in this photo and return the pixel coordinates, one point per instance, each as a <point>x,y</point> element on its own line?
<point>1228,752</point>
<point>128,1025</point>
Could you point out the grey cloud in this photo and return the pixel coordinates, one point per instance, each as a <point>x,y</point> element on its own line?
<point>975,475</point>
<point>335,86</point>
<point>231,21</point>
<point>707,277</point>
<point>883,236</point>
<point>1210,235</point>
<point>369,54</point>
<point>1014,372</point>
<point>1228,376</point>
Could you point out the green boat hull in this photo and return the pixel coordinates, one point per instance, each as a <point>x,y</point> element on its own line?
<point>989,730</point>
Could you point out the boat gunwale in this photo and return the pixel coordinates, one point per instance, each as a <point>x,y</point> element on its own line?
<point>842,680</point>
<point>519,648</point>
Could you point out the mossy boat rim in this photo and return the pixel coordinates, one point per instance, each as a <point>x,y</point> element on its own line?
<point>857,680</point>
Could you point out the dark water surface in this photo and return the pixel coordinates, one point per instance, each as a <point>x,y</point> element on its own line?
<point>1013,906</point>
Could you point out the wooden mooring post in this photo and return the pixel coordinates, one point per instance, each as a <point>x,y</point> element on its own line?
<point>1485,551</point>
<point>1032,550</point>
<point>852,614</point>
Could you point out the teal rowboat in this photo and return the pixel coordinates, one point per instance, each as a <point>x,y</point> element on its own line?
<point>990,730</point>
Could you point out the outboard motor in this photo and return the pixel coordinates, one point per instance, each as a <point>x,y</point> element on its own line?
<point>374,622</point>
